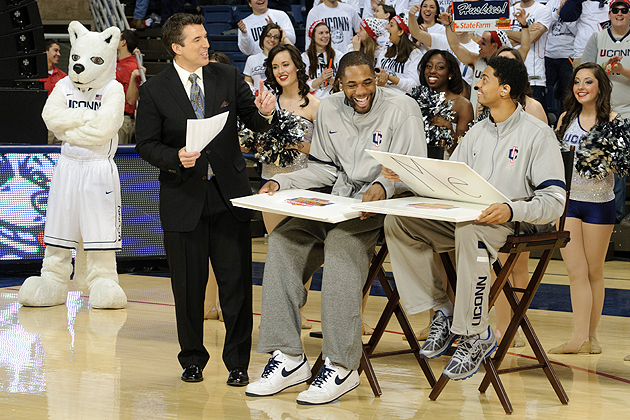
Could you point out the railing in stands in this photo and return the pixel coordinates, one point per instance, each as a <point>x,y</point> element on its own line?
<point>108,13</point>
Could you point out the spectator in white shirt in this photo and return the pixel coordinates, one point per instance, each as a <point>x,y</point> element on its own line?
<point>342,20</point>
<point>252,26</point>
<point>428,17</point>
<point>321,60</point>
<point>590,16</point>
<point>535,60</point>
<point>384,11</point>
<point>558,57</point>
<point>255,65</point>
<point>397,68</point>
<point>367,40</point>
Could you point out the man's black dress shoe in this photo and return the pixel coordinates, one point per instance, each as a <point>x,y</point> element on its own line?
<point>238,377</point>
<point>192,373</point>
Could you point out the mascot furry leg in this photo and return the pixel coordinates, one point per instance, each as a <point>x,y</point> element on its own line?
<point>95,272</point>
<point>51,287</point>
<point>85,111</point>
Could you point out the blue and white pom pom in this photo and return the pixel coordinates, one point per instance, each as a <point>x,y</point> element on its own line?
<point>434,104</point>
<point>482,116</point>
<point>271,146</point>
<point>245,136</point>
<point>605,148</point>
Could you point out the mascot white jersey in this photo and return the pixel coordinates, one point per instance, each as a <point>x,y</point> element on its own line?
<point>85,111</point>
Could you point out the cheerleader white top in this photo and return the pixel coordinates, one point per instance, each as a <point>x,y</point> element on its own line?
<point>582,188</point>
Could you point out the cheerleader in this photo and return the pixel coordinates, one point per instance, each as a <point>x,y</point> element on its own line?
<point>591,211</point>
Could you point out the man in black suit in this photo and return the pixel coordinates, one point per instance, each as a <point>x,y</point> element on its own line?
<point>197,216</point>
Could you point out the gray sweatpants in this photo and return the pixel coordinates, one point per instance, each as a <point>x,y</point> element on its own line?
<point>297,248</point>
<point>411,242</point>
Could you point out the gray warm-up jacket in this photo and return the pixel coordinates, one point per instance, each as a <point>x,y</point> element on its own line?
<point>521,158</point>
<point>338,157</point>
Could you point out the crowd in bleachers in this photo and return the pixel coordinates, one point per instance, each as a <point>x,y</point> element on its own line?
<point>557,36</point>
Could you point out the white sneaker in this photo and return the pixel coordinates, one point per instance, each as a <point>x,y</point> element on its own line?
<point>331,383</point>
<point>279,374</point>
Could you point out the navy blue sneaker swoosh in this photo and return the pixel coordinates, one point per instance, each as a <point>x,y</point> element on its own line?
<point>339,381</point>
<point>109,192</point>
<point>286,373</point>
<point>332,132</point>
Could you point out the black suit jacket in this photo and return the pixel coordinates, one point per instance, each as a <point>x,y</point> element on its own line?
<point>163,110</point>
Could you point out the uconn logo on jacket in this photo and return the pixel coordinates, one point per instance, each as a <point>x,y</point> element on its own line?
<point>513,154</point>
<point>377,138</point>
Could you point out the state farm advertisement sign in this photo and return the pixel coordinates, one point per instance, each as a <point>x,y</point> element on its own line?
<point>488,15</point>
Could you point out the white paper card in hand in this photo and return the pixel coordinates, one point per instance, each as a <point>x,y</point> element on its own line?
<point>303,204</point>
<point>424,208</point>
<point>442,179</point>
<point>200,132</point>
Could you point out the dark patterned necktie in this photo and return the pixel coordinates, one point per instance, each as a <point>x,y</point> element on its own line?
<point>196,98</point>
<point>198,103</point>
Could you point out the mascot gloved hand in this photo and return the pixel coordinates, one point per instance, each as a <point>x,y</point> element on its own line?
<point>85,111</point>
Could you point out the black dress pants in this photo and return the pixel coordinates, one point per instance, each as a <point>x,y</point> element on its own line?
<point>227,242</point>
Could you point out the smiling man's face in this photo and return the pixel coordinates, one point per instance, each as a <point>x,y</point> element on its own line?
<point>359,86</point>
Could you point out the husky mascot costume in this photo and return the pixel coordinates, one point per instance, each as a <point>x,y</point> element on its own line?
<point>85,111</point>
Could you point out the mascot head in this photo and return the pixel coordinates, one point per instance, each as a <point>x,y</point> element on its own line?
<point>92,56</point>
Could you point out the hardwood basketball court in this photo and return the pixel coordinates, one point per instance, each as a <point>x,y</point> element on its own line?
<point>70,362</point>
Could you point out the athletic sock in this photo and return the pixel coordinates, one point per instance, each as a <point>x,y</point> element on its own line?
<point>485,335</point>
<point>446,308</point>
<point>295,359</point>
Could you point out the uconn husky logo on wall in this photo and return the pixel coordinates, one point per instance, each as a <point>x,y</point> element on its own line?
<point>377,138</point>
<point>513,153</point>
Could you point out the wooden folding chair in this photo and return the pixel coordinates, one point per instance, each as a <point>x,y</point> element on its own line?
<point>393,307</point>
<point>515,244</point>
